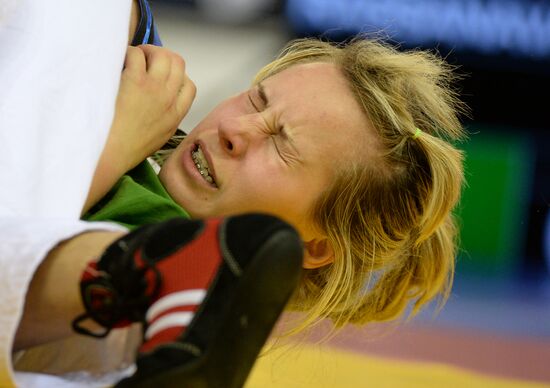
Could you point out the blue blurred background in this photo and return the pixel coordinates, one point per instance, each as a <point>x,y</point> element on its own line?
<point>503,47</point>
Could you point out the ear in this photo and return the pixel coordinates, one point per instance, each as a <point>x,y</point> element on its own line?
<point>317,253</point>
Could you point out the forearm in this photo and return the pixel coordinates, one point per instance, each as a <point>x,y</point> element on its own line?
<point>53,299</point>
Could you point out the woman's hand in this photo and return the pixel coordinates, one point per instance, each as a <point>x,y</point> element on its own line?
<point>154,95</point>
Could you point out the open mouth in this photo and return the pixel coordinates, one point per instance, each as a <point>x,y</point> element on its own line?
<point>202,165</point>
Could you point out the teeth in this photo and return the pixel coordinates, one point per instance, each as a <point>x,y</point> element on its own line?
<point>202,165</point>
<point>199,158</point>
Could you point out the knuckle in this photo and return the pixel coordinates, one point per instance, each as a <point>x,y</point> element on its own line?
<point>131,52</point>
<point>179,60</point>
<point>193,87</point>
<point>163,53</point>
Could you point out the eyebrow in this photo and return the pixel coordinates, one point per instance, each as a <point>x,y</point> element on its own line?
<point>262,94</point>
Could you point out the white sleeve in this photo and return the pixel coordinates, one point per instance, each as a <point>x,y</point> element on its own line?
<point>60,67</point>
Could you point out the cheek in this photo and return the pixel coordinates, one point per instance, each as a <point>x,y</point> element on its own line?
<point>252,187</point>
<point>276,193</point>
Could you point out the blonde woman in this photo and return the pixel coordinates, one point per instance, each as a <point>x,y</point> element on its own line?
<point>352,145</point>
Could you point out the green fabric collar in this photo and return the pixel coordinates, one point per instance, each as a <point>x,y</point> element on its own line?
<point>138,198</point>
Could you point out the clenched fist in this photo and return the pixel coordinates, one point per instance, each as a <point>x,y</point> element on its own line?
<point>155,94</point>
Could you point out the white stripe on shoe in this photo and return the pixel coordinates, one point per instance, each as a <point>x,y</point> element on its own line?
<point>168,321</point>
<point>176,299</point>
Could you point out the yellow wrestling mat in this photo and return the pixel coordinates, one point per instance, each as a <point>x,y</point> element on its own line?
<point>310,366</point>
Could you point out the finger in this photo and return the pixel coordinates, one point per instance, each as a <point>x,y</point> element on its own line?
<point>185,97</point>
<point>135,59</point>
<point>177,75</point>
<point>158,61</point>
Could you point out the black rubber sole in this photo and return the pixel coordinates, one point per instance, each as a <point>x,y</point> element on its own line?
<point>249,313</point>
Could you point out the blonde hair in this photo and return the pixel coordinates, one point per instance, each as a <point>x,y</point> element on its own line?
<point>389,221</point>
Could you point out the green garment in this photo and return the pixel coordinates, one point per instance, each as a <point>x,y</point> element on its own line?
<point>138,198</point>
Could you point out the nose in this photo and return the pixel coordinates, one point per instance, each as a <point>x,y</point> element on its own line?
<point>234,137</point>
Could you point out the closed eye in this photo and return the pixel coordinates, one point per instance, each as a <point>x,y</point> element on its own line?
<point>276,130</point>
<point>252,103</point>
<point>281,154</point>
<point>288,153</point>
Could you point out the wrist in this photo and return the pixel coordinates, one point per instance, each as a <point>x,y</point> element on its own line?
<point>110,167</point>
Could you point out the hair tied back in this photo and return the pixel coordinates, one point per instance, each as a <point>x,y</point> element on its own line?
<point>417,134</point>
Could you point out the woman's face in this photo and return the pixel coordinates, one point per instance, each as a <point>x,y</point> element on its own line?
<point>273,148</point>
